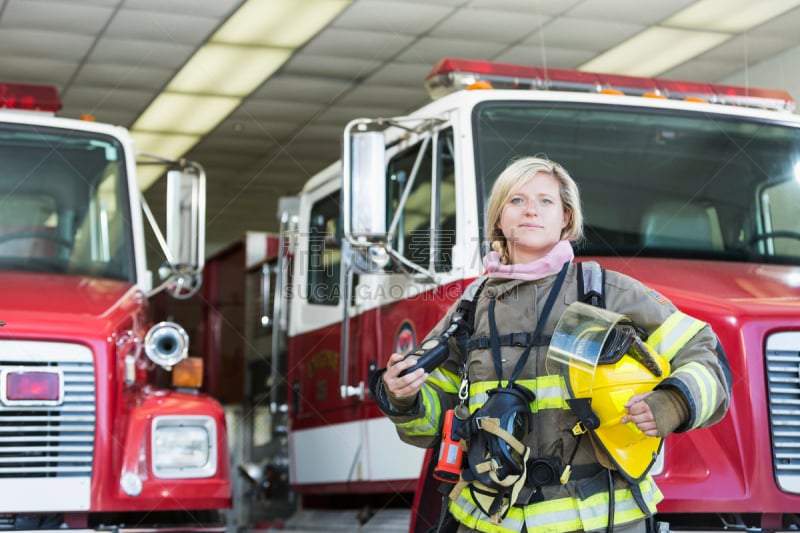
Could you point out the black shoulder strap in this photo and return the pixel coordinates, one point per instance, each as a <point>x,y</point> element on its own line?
<point>591,283</point>
<point>466,305</point>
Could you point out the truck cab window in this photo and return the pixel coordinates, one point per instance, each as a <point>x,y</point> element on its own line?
<point>778,232</point>
<point>324,251</point>
<point>421,214</point>
<point>446,206</point>
<point>64,206</point>
<point>665,184</point>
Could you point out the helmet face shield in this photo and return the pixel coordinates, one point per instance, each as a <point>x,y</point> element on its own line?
<point>578,340</point>
<point>603,360</point>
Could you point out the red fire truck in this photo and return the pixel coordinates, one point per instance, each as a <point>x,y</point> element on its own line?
<point>92,433</point>
<point>692,188</point>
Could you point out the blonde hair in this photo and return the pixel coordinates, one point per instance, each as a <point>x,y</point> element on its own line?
<point>512,179</point>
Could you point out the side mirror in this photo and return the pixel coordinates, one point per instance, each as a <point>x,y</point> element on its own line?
<point>365,187</point>
<point>186,231</point>
<point>186,214</point>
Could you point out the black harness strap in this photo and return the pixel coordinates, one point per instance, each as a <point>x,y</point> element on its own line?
<point>466,305</point>
<point>512,339</point>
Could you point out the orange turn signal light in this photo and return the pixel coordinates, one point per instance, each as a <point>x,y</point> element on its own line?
<point>188,373</point>
<point>479,85</point>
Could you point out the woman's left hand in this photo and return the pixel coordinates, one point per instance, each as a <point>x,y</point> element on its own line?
<point>640,414</point>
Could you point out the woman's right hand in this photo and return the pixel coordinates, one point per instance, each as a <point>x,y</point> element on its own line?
<point>402,386</point>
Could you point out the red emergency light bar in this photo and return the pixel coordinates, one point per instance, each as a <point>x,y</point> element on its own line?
<point>29,97</point>
<point>451,75</point>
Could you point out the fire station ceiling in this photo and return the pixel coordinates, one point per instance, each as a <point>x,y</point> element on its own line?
<point>113,58</point>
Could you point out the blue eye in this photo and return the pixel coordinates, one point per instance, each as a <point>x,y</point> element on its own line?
<point>517,200</point>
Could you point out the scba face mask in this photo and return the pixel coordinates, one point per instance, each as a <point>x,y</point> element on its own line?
<point>496,454</point>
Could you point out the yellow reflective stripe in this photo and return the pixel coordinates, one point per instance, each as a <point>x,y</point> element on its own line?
<point>548,391</point>
<point>674,333</point>
<point>562,514</point>
<point>447,381</point>
<point>705,385</point>
<point>466,512</point>
<point>549,381</point>
<point>424,425</point>
<point>554,515</point>
<point>625,507</point>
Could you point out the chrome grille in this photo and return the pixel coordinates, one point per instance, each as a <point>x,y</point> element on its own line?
<point>783,376</point>
<point>49,441</point>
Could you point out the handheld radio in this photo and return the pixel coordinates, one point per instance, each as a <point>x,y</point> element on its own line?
<point>434,351</point>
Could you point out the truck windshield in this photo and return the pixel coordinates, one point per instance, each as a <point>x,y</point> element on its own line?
<point>63,206</point>
<point>660,183</point>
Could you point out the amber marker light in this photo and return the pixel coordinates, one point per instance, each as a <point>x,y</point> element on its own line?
<point>188,374</point>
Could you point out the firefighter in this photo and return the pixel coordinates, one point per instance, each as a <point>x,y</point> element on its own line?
<point>533,469</point>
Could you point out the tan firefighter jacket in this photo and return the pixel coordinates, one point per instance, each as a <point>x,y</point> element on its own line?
<point>698,371</point>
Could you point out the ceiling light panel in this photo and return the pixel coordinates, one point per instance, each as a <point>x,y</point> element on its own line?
<point>168,145</point>
<point>228,70</point>
<point>185,113</point>
<point>280,23</point>
<point>654,51</point>
<point>731,16</point>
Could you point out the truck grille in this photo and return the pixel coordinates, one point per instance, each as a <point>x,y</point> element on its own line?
<point>783,376</point>
<point>49,441</point>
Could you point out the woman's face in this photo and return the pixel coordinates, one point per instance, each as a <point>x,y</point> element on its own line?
<point>532,219</point>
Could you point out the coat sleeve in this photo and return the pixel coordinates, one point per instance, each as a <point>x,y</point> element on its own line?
<point>699,369</point>
<point>421,424</point>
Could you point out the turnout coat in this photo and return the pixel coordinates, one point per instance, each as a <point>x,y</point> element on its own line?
<point>699,374</point>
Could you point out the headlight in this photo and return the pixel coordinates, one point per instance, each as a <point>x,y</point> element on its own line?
<point>184,446</point>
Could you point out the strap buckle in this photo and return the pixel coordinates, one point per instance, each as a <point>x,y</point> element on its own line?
<point>578,428</point>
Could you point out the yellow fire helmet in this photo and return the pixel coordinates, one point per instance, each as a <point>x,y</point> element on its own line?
<point>604,363</point>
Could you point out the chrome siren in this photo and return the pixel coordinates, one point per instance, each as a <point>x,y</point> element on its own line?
<point>166,344</point>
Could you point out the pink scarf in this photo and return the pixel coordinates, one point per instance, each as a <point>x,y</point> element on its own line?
<point>541,268</point>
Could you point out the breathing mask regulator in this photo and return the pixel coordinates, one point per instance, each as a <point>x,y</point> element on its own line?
<point>604,362</point>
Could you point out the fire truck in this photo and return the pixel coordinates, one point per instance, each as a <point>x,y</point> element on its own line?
<point>691,188</point>
<point>101,422</point>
